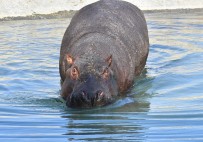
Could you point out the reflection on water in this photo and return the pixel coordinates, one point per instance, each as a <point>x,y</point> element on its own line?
<point>165,103</point>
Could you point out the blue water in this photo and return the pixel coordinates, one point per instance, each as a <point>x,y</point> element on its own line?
<point>165,103</point>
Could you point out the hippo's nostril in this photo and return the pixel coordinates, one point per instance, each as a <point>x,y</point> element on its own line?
<point>100,95</point>
<point>84,96</point>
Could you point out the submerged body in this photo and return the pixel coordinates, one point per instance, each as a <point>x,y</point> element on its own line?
<point>105,46</point>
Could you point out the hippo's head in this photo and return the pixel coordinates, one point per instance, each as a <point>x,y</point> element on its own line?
<point>89,82</point>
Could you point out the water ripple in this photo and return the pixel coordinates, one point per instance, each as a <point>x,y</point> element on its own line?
<point>164,104</point>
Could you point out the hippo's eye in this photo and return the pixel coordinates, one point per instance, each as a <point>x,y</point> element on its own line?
<point>105,73</point>
<point>74,73</point>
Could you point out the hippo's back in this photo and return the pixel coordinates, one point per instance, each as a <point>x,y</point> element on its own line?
<point>121,21</point>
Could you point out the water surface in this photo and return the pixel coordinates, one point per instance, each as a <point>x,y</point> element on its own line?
<point>165,103</point>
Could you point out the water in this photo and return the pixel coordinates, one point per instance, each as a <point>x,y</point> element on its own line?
<point>165,103</point>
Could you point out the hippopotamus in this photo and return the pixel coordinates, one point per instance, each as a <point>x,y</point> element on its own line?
<point>103,49</point>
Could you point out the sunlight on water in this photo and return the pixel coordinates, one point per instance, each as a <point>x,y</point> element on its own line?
<point>165,103</point>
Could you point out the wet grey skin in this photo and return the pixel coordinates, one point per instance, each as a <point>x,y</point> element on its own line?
<point>105,46</point>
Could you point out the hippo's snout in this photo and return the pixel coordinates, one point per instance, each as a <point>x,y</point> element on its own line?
<point>85,99</point>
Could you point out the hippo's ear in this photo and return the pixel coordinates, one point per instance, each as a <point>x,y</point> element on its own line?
<point>69,59</point>
<point>109,60</point>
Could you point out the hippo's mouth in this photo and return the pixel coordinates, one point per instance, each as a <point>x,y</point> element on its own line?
<point>81,102</point>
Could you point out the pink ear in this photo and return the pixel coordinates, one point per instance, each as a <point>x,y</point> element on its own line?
<point>69,59</point>
<point>109,60</point>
